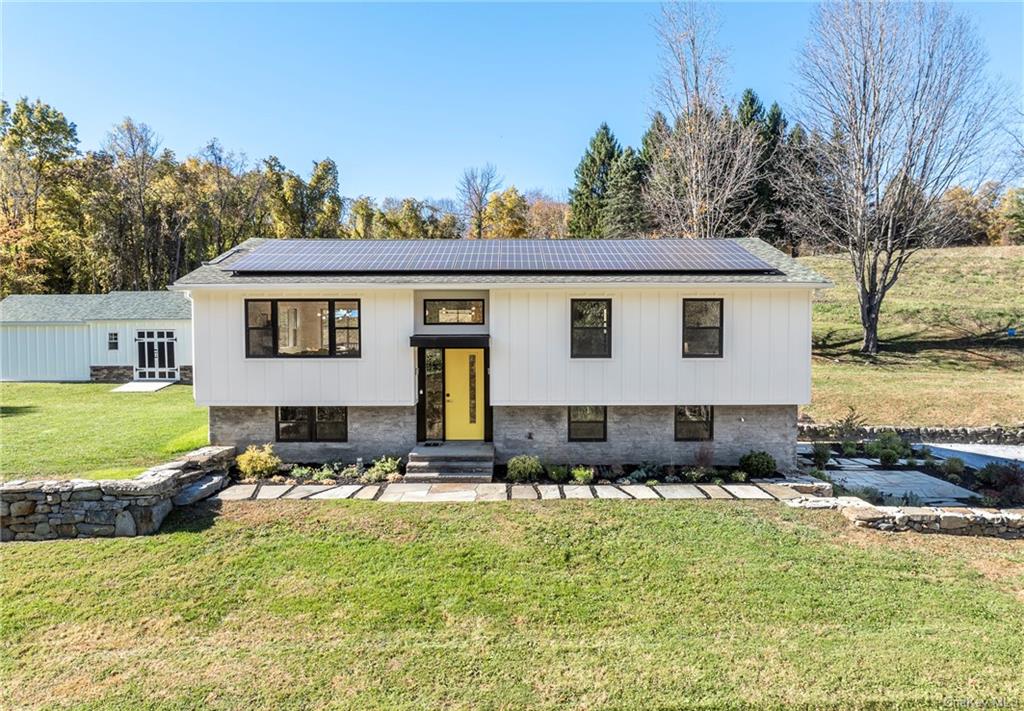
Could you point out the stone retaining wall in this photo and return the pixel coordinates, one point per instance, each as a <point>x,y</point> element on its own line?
<point>79,508</point>
<point>958,435</point>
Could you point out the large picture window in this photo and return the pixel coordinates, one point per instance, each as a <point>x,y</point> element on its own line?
<point>702,328</point>
<point>302,328</point>
<point>591,328</point>
<point>440,312</point>
<point>312,424</point>
<point>695,423</point>
<point>588,423</point>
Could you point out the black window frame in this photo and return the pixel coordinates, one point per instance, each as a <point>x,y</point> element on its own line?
<point>604,424</point>
<point>331,329</point>
<point>573,328</point>
<point>710,423</point>
<point>481,322</point>
<point>113,341</point>
<point>311,416</point>
<point>720,328</point>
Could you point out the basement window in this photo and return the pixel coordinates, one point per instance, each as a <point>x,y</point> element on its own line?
<point>312,424</point>
<point>695,423</point>
<point>588,423</point>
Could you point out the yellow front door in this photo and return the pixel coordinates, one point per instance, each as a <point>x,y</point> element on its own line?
<point>464,393</point>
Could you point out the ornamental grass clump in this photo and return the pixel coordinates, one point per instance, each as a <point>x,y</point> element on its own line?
<point>524,467</point>
<point>258,462</point>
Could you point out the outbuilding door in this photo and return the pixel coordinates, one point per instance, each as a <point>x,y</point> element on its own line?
<point>156,359</point>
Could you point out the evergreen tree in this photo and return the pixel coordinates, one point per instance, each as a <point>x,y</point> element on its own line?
<point>623,213</point>
<point>653,140</point>
<point>750,110</point>
<point>588,196</point>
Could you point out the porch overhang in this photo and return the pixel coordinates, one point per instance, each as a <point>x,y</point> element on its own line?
<point>450,340</point>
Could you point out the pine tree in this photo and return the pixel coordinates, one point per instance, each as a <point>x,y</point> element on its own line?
<point>750,110</point>
<point>623,213</point>
<point>587,197</point>
<point>653,140</point>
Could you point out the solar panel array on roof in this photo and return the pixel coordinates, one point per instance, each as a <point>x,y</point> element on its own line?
<point>334,256</point>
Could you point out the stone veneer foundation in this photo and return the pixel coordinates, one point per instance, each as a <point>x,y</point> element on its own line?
<point>126,373</point>
<point>647,433</point>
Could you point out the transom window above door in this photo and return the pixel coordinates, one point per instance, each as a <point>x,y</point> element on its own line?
<point>302,328</point>
<point>439,312</point>
<point>591,328</point>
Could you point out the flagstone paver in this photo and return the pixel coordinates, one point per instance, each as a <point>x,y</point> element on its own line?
<point>577,491</point>
<point>549,491</point>
<point>714,491</point>
<point>679,491</point>
<point>440,493</point>
<point>272,491</point>
<point>306,490</point>
<point>783,493</point>
<point>610,492</point>
<point>367,492</point>
<point>395,492</point>
<point>746,491</point>
<point>523,492</point>
<point>640,491</point>
<point>238,492</point>
<point>491,492</point>
<point>338,492</point>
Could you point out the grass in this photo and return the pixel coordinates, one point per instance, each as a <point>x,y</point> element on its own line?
<point>296,605</point>
<point>85,430</point>
<point>945,359</point>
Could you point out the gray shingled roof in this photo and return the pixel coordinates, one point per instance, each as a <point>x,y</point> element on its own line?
<point>218,273</point>
<point>79,308</point>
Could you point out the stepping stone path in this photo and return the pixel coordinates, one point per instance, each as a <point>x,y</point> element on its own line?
<point>458,492</point>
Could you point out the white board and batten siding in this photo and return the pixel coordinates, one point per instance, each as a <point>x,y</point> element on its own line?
<point>384,375</point>
<point>44,352</point>
<point>766,349</point>
<point>127,352</point>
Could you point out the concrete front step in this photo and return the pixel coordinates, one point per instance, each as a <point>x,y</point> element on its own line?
<point>453,452</point>
<point>465,465</point>
<point>447,477</point>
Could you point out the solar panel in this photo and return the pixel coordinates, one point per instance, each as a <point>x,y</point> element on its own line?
<point>337,256</point>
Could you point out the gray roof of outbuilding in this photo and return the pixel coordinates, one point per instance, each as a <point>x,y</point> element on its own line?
<point>218,273</point>
<point>79,308</point>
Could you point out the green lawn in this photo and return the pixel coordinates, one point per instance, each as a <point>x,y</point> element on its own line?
<point>945,359</point>
<point>297,605</point>
<point>85,430</point>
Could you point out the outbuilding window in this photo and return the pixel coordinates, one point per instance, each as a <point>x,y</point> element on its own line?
<point>588,423</point>
<point>303,328</point>
<point>702,328</point>
<point>112,344</point>
<point>312,424</point>
<point>591,328</point>
<point>695,423</point>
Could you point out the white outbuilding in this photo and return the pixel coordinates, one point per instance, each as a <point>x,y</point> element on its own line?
<point>115,337</point>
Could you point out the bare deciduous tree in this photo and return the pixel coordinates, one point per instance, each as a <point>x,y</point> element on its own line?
<point>473,188</point>
<point>702,177</point>
<point>899,108</point>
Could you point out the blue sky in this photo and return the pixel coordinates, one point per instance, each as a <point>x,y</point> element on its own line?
<point>403,97</point>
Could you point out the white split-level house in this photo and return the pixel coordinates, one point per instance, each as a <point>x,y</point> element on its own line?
<point>115,337</point>
<point>583,351</point>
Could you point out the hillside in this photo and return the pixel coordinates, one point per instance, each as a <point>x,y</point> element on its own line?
<point>946,358</point>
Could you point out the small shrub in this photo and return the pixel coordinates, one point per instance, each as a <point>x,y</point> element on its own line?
<point>850,425</point>
<point>524,467</point>
<point>647,470</point>
<point>324,473</point>
<point>738,476</point>
<point>925,452</point>
<point>691,474</point>
<point>954,479</point>
<point>850,448</point>
<point>301,472</point>
<point>891,440</point>
<point>953,465</point>
<point>258,462</point>
<point>558,473</point>
<point>888,457</point>
<point>718,481</point>
<point>381,470</point>
<point>582,475</point>
<point>758,463</point>
<point>873,449</point>
<point>352,471</point>
<point>651,482</point>
<point>911,462</point>
<point>822,453</point>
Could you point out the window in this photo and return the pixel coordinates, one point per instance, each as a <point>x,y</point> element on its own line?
<point>695,423</point>
<point>302,328</point>
<point>312,424</point>
<point>702,328</point>
<point>591,328</point>
<point>112,342</point>
<point>588,423</point>
<point>453,311</point>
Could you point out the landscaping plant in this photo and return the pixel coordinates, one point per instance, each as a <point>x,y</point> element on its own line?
<point>758,464</point>
<point>953,465</point>
<point>258,462</point>
<point>524,467</point>
<point>888,457</point>
<point>738,476</point>
<point>583,474</point>
<point>850,448</point>
<point>383,469</point>
<point>558,473</point>
<point>822,452</point>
